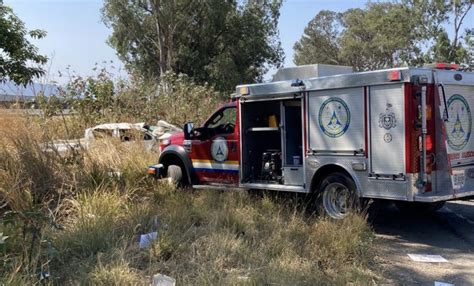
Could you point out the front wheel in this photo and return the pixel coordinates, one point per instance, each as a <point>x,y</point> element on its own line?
<point>175,175</point>
<point>337,196</point>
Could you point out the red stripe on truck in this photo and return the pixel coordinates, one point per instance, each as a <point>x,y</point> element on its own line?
<point>366,129</point>
<point>408,127</point>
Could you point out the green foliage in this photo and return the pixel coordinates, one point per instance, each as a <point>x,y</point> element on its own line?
<point>16,51</point>
<point>322,32</point>
<point>377,37</point>
<point>442,48</point>
<point>179,99</point>
<point>93,97</point>
<point>469,41</point>
<point>101,98</point>
<point>386,34</point>
<point>221,42</point>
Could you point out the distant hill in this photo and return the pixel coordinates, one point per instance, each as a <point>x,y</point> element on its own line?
<point>9,91</point>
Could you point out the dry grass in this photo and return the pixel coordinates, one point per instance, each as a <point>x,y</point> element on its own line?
<point>54,127</point>
<point>75,221</point>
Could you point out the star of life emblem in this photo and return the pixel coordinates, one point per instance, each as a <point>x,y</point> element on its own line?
<point>458,127</point>
<point>334,117</point>
<point>219,149</point>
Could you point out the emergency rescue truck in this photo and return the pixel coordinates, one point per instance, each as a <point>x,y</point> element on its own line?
<point>402,134</point>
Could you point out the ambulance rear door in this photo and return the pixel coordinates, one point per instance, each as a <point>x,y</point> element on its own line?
<point>454,173</point>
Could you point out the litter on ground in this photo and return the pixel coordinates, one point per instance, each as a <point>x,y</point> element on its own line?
<point>427,258</point>
<point>147,238</point>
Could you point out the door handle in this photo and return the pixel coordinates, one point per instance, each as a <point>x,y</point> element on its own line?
<point>445,113</point>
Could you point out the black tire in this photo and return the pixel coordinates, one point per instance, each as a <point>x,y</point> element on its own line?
<point>336,196</point>
<point>175,175</point>
<point>418,208</point>
<point>371,208</point>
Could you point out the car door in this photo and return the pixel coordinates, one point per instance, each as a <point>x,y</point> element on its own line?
<point>215,155</point>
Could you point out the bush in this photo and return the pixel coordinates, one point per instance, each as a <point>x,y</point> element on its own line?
<point>179,99</point>
<point>102,98</point>
<point>40,190</point>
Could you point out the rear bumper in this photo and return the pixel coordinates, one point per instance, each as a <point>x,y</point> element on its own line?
<point>438,198</point>
<point>156,171</point>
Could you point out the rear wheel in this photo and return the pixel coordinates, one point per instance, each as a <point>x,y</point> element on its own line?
<point>337,196</point>
<point>418,207</point>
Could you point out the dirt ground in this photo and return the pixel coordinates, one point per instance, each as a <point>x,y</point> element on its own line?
<point>449,233</point>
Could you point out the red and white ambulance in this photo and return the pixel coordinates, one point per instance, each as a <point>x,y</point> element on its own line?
<point>402,134</point>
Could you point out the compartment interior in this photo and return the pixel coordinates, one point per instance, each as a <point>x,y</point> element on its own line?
<point>262,134</point>
<point>265,129</point>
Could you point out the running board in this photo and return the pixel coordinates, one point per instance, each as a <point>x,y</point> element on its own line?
<point>218,187</point>
<point>274,187</point>
<point>248,186</point>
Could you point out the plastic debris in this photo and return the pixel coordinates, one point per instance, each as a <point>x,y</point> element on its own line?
<point>115,174</point>
<point>2,238</point>
<point>44,275</point>
<point>163,280</point>
<point>427,258</point>
<point>147,238</point>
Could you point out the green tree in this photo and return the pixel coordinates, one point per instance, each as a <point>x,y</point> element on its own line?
<point>320,41</point>
<point>432,19</point>
<point>387,34</point>
<point>469,41</point>
<point>442,48</point>
<point>19,59</point>
<point>460,9</point>
<point>376,37</point>
<point>216,41</point>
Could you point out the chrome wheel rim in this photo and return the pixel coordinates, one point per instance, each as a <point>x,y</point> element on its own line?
<point>337,200</point>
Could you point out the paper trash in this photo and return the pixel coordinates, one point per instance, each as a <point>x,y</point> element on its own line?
<point>147,238</point>
<point>442,284</point>
<point>163,280</point>
<point>427,258</point>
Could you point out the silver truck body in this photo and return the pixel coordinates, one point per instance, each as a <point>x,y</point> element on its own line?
<point>363,124</point>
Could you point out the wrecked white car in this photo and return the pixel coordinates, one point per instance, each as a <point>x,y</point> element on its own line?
<point>126,132</point>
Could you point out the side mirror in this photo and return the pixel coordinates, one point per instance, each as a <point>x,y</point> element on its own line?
<point>188,130</point>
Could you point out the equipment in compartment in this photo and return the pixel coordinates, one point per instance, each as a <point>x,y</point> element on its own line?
<point>261,142</point>
<point>271,166</point>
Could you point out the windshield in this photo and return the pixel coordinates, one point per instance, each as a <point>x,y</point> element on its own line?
<point>222,117</point>
<point>223,121</point>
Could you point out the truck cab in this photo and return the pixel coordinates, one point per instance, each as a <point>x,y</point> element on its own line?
<point>206,155</point>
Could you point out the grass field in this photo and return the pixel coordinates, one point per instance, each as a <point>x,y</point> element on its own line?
<point>75,221</point>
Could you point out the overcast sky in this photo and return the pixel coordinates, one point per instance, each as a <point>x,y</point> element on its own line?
<point>77,37</point>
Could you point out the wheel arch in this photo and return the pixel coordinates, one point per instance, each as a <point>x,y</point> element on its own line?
<point>325,170</point>
<point>176,155</point>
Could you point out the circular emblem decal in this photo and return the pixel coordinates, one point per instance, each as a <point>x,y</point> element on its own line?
<point>334,117</point>
<point>219,149</point>
<point>458,128</point>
